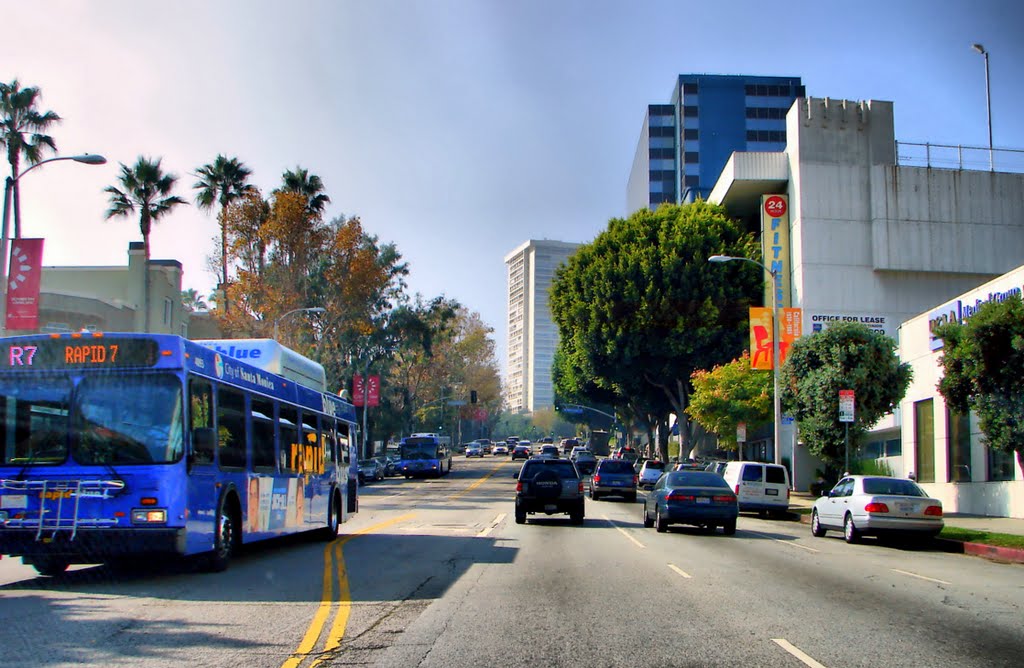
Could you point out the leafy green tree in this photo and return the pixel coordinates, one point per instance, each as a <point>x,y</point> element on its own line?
<point>222,181</point>
<point>147,189</point>
<point>846,356</point>
<point>639,309</point>
<point>22,132</point>
<point>983,363</point>
<point>310,186</point>
<point>728,395</point>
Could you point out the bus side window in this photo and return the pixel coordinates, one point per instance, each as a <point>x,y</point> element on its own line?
<point>289,438</point>
<point>329,444</point>
<point>200,394</point>
<point>343,443</point>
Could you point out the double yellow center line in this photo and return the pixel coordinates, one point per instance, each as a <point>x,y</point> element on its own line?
<point>334,561</point>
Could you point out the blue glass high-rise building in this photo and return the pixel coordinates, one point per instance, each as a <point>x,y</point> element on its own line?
<point>685,144</point>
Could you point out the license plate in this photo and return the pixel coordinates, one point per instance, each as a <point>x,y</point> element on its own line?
<point>905,507</point>
<point>550,507</point>
<point>617,483</point>
<point>14,501</point>
<point>703,499</point>
<point>771,492</point>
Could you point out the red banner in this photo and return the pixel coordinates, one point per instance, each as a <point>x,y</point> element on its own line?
<point>371,391</point>
<point>23,284</point>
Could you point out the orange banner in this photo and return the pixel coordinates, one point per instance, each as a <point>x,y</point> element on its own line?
<point>761,335</point>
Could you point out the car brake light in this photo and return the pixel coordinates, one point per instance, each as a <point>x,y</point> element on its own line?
<point>519,486</point>
<point>597,477</point>
<point>787,494</point>
<point>581,486</point>
<point>635,479</point>
<point>678,496</point>
<point>876,508</point>
<point>933,510</point>
<point>737,490</point>
<point>724,499</point>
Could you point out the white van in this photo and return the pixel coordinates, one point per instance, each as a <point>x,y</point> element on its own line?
<point>759,487</point>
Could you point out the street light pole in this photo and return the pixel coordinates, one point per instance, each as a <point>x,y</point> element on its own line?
<point>311,309</point>
<point>776,332</point>
<point>988,105</point>
<point>9,190</point>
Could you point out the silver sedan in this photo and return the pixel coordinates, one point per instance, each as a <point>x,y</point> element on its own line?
<point>876,505</point>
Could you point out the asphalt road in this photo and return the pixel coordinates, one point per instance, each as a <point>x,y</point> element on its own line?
<point>436,573</point>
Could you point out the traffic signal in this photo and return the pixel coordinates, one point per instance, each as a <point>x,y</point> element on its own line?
<point>472,396</point>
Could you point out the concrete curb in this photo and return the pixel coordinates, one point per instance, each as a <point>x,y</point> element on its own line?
<point>1011,555</point>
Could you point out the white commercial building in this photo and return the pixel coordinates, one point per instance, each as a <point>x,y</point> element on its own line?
<point>532,335</point>
<point>869,239</point>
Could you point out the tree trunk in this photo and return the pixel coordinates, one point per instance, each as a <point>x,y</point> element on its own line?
<point>223,257</point>
<point>144,228</point>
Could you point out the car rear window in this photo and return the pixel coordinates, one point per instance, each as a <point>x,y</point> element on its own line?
<point>563,468</point>
<point>615,466</point>
<point>696,479</point>
<point>775,474</point>
<point>893,486</point>
<point>753,473</point>
<point>660,466</point>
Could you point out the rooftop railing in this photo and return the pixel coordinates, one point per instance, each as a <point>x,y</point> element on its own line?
<point>946,156</point>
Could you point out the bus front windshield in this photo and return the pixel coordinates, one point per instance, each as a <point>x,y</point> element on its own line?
<point>415,448</point>
<point>34,419</point>
<point>128,420</point>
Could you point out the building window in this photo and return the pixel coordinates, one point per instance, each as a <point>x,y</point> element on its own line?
<point>691,181</point>
<point>168,310</point>
<point>1000,464</point>
<point>766,135</point>
<point>689,88</point>
<point>958,446</point>
<point>661,154</point>
<point>772,113</point>
<point>924,440</point>
<point>691,133</point>
<point>690,111</point>
<point>662,131</point>
<point>691,157</point>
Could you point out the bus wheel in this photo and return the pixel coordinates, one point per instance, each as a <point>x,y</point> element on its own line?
<point>330,532</point>
<point>49,565</point>
<point>225,538</point>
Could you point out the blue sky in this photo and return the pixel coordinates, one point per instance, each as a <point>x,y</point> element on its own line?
<point>455,129</point>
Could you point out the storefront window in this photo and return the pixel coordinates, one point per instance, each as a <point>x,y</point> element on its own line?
<point>924,440</point>
<point>958,446</point>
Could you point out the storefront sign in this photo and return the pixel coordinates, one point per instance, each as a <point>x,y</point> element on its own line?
<point>775,245</point>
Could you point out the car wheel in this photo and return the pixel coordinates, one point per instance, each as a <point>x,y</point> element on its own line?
<point>631,497</point>
<point>817,530</point>
<point>729,528</point>
<point>660,523</point>
<point>520,515</point>
<point>850,532</point>
<point>648,522</point>
<point>576,517</point>
<point>594,495</point>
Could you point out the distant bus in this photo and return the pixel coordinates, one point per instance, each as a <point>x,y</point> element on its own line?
<point>425,455</point>
<point>115,446</point>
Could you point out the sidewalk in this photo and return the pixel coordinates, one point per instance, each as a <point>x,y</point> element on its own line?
<point>1008,525</point>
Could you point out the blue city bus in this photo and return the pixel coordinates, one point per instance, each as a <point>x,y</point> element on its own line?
<point>425,455</point>
<point>115,446</point>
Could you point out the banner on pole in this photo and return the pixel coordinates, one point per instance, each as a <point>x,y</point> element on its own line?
<point>371,392</point>
<point>25,274</point>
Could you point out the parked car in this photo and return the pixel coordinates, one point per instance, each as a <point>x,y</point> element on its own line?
<point>760,487</point>
<point>521,452</point>
<point>651,470</point>
<point>499,448</point>
<point>692,497</point>
<point>370,469</point>
<point>474,450</point>
<point>549,486</point>
<point>877,505</point>
<point>549,451</point>
<point>613,476</point>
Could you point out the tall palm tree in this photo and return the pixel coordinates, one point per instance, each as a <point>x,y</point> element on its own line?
<point>222,181</point>
<point>144,187</point>
<point>22,128</point>
<point>309,185</point>
<point>193,301</point>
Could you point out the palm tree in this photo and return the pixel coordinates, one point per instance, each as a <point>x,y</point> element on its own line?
<point>222,181</point>
<point>309,185</point>
<point>18,116</point>
<point>193,301</point>
<point>144,187</point>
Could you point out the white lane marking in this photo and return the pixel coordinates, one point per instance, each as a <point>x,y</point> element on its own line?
<point>921,577</point>
<point>784,542</point>
<point>496,522</point>
<point>624,532</point>
<point>797,652</point>
<point>680,571</point>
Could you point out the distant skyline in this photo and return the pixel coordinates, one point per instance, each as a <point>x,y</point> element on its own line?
<point>456,130</point>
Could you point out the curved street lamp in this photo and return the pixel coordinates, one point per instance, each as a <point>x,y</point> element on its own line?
<point>9,188</point>
<point>988,104</point>
<point>310,309</point>
<point>776,401</point>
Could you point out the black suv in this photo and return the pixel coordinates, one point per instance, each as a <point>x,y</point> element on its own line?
<point>549,486</point>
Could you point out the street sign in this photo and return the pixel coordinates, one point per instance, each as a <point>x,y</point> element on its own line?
<point>741,432</point>
<point>846,405</point>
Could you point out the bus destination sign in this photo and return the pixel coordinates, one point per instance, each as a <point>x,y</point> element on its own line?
<point>80,353</point>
